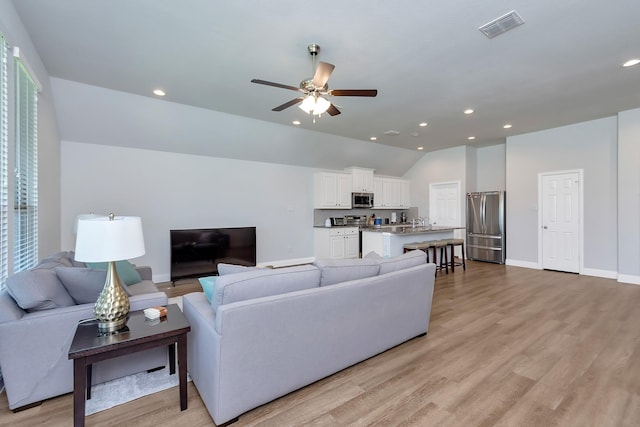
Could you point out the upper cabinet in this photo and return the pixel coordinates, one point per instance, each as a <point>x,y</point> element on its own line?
<point>332,190</point>
<point>391,193</point>
<point>362,180</point>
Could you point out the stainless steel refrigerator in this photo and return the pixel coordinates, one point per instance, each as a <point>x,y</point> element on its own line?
<point>486,226</point>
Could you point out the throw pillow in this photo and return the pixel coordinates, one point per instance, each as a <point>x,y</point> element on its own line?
<point>38,289</point>
<point>126,271</point>
<point>373,255</point>
<point>208,283</point>
<point>83,284</point>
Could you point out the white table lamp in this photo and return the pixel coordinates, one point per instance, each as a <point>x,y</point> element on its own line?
<point>109,239</point>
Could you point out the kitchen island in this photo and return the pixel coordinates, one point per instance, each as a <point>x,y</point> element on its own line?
<point>388,241</point>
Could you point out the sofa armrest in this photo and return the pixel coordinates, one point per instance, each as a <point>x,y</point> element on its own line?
<point>38,367</point>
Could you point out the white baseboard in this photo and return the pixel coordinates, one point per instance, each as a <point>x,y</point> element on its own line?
<point>627,278</point>
<point>160,278</point>
<point>605,274</point>
<point>525,264</point>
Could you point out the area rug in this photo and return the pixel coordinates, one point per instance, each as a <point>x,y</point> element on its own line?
<point>123,390</point>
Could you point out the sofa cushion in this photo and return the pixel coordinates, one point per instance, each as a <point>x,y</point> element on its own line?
<point>63,258</point>
<point>400,262</point>
<point>263,282</point>
<point>144,287</point>
<point>224,269</point>
<point>83,284</point>
<point>208,284</point>
<point>343,270</point>
<point>126,271</point>
<point>38,289</point>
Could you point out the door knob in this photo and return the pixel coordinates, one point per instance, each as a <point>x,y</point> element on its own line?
<point>544,226</point>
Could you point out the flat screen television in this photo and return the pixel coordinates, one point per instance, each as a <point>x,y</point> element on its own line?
<point>197,252</point>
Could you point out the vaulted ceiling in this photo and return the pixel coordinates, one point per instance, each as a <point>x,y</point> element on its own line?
<point>427,59</point>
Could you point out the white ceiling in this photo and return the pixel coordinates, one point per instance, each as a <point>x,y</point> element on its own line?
<point>427,59</point>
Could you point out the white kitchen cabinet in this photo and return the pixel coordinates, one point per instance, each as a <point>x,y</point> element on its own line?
<point>391,193</point>
<point>405,198</point>
<point>332,190</point>
<point>337,243</point>
<point>377,193</point>
<point>362,180</point>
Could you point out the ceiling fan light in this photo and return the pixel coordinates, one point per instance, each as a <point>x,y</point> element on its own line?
<point>308,104</point>
<point>322,105</point>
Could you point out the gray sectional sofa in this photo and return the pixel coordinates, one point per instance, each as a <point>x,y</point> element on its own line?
<point>267,332</point>
<point>39,311</point>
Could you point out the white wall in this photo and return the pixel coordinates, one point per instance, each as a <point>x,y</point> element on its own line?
<point>438,166</point>
<point>48,137</point>
<point>629,196</point>
<point>591,146</point>
<point>491,165</point>
<point>171,191</point>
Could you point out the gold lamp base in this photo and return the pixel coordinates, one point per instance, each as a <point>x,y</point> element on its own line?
<point>112,306</point>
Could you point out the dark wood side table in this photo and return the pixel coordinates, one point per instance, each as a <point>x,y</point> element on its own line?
<point>140,334</point>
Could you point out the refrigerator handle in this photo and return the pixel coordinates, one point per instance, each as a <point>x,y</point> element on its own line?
<point>482,214</point>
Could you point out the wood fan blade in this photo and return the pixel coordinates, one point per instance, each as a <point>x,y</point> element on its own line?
<point>354,92</point>
<point>333,111</point>
<point>264,82</point>
<point>288,104</point>
<point>323,72</point>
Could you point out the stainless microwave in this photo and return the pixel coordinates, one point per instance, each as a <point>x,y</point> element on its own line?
<point>361,200</point>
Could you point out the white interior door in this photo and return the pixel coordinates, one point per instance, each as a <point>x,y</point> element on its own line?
<point>445,208</point>
<point>561,221</point>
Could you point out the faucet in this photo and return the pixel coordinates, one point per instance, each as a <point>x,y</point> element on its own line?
<point>420,221</point>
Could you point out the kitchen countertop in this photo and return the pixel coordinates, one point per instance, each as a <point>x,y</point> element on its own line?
<point>398,228</point>
<point>409,229</point>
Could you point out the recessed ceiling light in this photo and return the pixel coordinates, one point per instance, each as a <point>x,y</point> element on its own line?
<point>423,124</point>
<point>420,148</point>
<point>373,138</point>
<point>471,138</point>
<point>296,122</point>
<point>631,62</point>
<point>159,92</point>
<point>468,111</point>
<point>507,126</point>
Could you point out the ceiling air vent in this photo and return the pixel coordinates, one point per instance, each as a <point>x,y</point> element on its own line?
<point>502,24</point>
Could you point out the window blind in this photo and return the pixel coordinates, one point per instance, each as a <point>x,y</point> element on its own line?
<point>4,144</point>
<point>25,248</point>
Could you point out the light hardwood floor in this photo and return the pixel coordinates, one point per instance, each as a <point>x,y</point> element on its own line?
<point>507,346</point>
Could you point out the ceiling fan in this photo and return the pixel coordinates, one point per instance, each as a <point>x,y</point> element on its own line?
<point>315,89</point>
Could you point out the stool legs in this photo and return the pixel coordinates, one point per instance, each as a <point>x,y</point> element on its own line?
<point>453,263</point>
<point>444,257</point>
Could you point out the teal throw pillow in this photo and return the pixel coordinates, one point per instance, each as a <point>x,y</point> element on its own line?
<point>208,283</point>
<point>126,271</point>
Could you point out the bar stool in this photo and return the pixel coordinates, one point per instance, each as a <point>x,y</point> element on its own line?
<point>452,243</point>
<point>444,261</point>
<point>423,246</point>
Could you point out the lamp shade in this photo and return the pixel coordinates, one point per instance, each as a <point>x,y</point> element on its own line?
<point>315,105</point>
<point>322,105</point>
<point>84,216</point>
<point>111,238</point>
